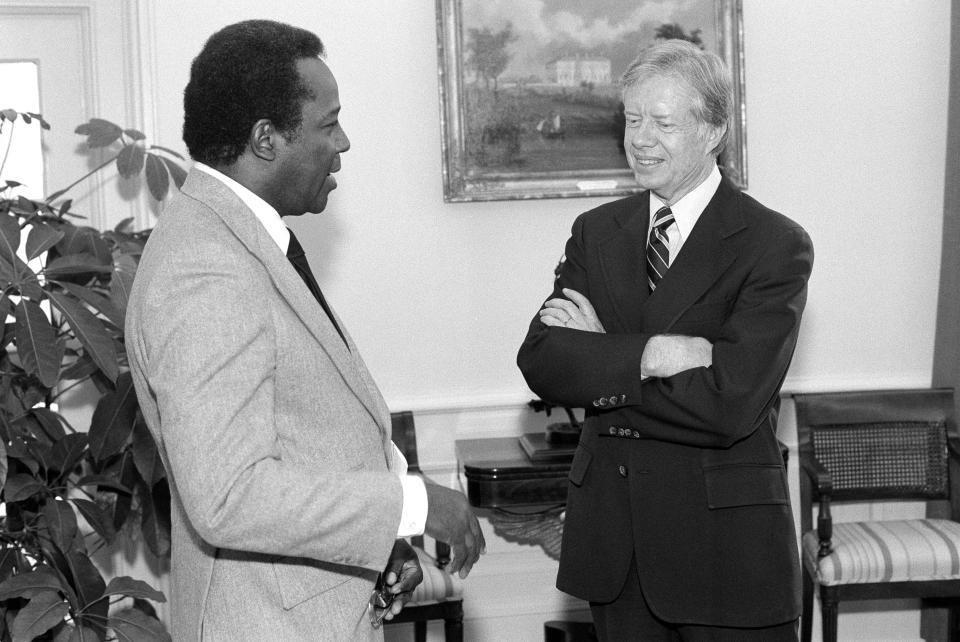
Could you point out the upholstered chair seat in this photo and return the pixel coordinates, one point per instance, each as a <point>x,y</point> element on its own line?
<point>914,550</point>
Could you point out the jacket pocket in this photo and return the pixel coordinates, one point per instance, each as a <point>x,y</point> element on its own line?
<point>578,468</point>
<point>299,580</point>
<point>734,485</point>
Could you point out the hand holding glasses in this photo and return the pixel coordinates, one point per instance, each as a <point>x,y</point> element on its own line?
<point>380,601</point>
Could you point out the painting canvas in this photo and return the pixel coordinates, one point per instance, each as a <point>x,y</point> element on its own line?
<point>529,90</point>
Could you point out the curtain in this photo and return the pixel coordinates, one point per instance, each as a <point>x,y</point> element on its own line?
<point>946,356</point>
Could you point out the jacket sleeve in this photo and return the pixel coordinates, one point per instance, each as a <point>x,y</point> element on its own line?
<point>576,368</point>
<point>208,343</point>
<point>707,407</point>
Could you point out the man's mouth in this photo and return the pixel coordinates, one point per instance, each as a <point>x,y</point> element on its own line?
<point>647,162</point>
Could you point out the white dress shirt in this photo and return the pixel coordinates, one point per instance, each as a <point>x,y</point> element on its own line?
<point>686,212</point>
<point>413,517</point>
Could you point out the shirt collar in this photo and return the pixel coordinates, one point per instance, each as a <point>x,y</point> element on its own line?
<point>265,213</point>
<point>687,211</point>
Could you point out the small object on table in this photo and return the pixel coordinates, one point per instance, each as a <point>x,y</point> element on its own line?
<point>566,631</point>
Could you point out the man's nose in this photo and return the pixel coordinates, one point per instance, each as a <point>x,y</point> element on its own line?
<point>641,135</point>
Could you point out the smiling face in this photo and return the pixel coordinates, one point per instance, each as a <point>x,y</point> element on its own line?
<point>311,155</point>
<point>668,149</point>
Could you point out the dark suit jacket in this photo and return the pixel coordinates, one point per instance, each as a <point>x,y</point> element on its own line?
<point>683,472</point>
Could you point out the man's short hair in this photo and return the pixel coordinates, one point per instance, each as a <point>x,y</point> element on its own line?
<point>703,71</point>
<point>245,72</point>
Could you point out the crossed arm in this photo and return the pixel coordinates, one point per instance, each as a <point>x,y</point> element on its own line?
<point>664,355</point>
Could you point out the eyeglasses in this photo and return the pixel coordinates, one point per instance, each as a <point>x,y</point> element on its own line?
<point>380,601</point>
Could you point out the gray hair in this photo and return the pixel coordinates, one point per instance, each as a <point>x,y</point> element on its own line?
<point>703,71</point>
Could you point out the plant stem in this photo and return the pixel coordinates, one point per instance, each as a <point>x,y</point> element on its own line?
<point>6,152</point>
<point>84,177</point>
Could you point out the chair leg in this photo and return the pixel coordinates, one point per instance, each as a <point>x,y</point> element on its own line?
<point>420,631</point>
<point>828,611</point>
<point>806,617</point>
<point>453,623</point>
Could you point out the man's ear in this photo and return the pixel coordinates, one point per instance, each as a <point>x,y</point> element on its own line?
<point>263,139</point>
<point>714,135</point>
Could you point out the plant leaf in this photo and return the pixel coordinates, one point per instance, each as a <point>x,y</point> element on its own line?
<point>61,521</point>
<point>73,264</point>
<point>125,226</point>
<point>37,343</point>
<point>67,452</point>
<point>41,614</point>
<point>104,481</point>
<point>124,269</point>
<point>20,487</point>
<point>51,422</point>
<point>9,114</point>
<point>131,625</point>
<point>99,132</point>
<point>3,464</point>
<point>155,523</point>
<point>97,301</point>
<point>145,453</point>
<point>9,238</point>
<point>113,419</point>
<point>88,581</point>
<point>90,331</point>
<point>42,578</point>
<point>80,240</point>
<point>41,238</point>
<point>178,173</point>
<point>79,369</point>
<point>157,178</point>
<point>97,518</point>
<point>133,588</point>
<point>130,160</point>
<point>135,134</point>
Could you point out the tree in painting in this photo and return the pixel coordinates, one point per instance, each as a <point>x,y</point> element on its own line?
<point>672,30</point>
<point>487,52</point>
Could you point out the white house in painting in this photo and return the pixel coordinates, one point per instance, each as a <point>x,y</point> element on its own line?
<point>573,70</point>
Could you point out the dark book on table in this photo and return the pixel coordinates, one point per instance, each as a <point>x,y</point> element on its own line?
<point>538,449</point>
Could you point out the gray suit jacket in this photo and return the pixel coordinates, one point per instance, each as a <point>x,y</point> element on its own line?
<point>274,435</point>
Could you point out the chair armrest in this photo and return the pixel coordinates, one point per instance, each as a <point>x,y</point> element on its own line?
<point>823,482</point>
<point>953,445</point>
<point>820,476</point>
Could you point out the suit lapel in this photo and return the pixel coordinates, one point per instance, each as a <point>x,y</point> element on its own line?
<point>624,264</point>
<point>255,238</point>
<point>705,256</point>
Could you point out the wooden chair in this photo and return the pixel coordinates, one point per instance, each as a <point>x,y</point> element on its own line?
<point>869,446</point>
<point>440,595</point>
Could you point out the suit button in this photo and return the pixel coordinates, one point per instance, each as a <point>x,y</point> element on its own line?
<point>623,398</point>
<point>614,401</point>
<point>596,403</point>
<point>613,430</point>
<point>603,401</point>
<point>622,470</point>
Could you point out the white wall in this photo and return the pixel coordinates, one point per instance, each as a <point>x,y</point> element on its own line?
<point>846,122</point>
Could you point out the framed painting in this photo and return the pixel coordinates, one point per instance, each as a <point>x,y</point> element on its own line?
<point>529,95</point>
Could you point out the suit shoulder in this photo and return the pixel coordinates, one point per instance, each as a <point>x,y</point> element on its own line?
<point>612,214</point>
<point>768,221</point>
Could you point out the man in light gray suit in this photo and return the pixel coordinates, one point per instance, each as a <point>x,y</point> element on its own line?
<point>289,499</point>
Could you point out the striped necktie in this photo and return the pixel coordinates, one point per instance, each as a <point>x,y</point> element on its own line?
<point>658,252</point>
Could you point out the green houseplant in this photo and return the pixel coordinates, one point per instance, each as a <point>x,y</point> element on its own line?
<point>66,492</point>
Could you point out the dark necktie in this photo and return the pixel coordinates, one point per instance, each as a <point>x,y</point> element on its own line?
<point>658,253</point>
<point>299,261</point>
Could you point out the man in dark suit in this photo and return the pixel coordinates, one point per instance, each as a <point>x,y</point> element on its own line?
<point>673,321</point>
